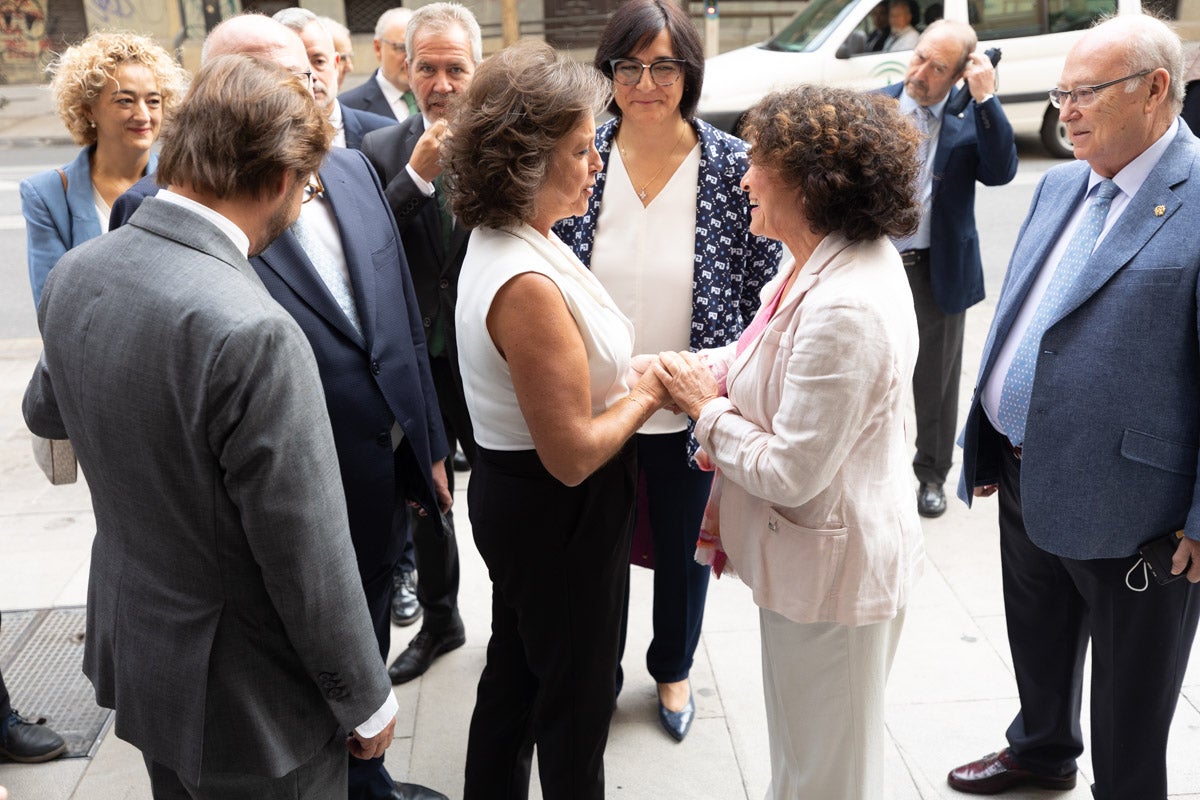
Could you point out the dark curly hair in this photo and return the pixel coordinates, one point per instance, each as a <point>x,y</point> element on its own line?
<point>522,102</point>
<point>634,25</point>
<point>851,156</point>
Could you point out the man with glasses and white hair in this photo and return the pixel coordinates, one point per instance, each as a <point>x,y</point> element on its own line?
<point>445,45</point>
<point>349,124</point>
<point>341,273</point>
<point>1085,420</point>
<point>387,91</point>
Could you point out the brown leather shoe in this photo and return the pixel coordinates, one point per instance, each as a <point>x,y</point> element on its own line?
<point>999,772</point>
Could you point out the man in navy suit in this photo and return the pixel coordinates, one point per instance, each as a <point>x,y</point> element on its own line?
<point>1085,418</point>
<point>446,45</point>
<point>341,273</point>
<point>349,124</point>
<point>387,92</point>
<point>942,259</point>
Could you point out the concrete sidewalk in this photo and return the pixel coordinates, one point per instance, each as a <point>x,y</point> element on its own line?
<point>950,697</point>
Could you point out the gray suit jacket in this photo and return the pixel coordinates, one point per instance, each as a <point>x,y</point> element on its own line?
<point>1112,440</point>
<point>226,621</point>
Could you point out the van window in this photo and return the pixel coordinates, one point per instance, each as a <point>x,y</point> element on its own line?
<point>1007,19</point>
<point>811,26</point>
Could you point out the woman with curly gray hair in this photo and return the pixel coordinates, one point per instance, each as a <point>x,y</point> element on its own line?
<point>545,356</point>
<point>803,418</point>
<point>113,91</point>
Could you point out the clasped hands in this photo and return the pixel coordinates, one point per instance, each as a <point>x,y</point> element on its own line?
<point>682,382</point>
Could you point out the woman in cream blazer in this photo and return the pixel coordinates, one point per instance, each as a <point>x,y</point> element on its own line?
<point>812,503</point>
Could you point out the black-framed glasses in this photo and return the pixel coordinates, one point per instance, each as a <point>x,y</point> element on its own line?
<point>664,71</point>
<point>1084,96</point>
<point>313,188</point>
<point>397,47</point>
<point>307,77</point>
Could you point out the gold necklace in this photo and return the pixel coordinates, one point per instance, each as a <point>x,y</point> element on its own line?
<point>624,157</point>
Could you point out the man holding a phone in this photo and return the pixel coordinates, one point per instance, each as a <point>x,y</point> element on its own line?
<point>967,139</point>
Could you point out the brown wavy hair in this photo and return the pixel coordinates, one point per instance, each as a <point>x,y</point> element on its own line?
<point>522,102</point>
<point>78,76</point>
<point>243,123</point>
<point>852,156</point>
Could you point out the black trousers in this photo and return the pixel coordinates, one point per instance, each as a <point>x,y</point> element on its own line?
<point>558,558</point>
<point>5,701</point>
<point>935,377</point>
<point>675,496</point>
<point>435,555</point>
<point>368,779</point>
<point>1140,646</point>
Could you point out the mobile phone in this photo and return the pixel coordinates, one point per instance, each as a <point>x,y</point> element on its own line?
<point>959,98</point>
<point>1158,553</point>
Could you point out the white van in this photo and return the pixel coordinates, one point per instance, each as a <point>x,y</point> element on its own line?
<point>823,44</point>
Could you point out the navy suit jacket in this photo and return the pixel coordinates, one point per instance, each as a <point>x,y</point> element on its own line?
<point>367,96</point>
<point>1109,459</point>
<point>356,124</point>
<point>369,380</point>
<point>977,145</point>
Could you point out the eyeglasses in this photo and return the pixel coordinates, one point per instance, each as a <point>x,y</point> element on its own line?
<point>307,77</point>
<point>664,71</point>
<point>1084,96</point>
<point>397,47</point>
<point>313,188</point>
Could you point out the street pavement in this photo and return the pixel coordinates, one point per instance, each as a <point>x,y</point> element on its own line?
<point>950,697</point>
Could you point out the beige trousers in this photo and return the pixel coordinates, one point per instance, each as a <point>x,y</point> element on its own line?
<point>824,687</point>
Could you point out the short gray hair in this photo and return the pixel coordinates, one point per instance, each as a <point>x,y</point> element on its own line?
<point>440,17</point>
<point>295,18</point>
<point>1152,43</point>
<point>393,16</point>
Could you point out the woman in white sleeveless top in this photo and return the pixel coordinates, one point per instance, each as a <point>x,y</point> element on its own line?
<point>545,357</point>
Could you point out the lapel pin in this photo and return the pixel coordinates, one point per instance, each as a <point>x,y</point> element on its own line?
<point>1160,210</point>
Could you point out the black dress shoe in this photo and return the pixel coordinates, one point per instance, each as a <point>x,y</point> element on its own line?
<point>411,791</point>
<point>931,500</point>
<point>999,772</point>
<point>460,462</point>
<point>406,609</point>
<point>422,650</point>
<point>28,742</point>
<point>677,723</point>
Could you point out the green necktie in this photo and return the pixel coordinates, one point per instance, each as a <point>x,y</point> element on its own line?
<point>410,100</point>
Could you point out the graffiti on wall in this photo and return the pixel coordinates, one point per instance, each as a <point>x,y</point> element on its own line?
<point>24,46</point>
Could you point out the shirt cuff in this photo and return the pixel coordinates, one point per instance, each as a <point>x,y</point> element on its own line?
<point>712,410</point>
<point>380,719</point>
<point>425,186</point>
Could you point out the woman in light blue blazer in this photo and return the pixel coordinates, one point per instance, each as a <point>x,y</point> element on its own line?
<point>113,92</point>
<point>667,232</point>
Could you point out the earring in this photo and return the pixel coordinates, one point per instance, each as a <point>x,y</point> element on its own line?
<point>92,122</point>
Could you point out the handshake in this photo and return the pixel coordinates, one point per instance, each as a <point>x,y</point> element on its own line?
<point>682,382</point>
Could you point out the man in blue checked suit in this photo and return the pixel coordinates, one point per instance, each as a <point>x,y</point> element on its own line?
<point>941,258</point>
<point>1085,419</point>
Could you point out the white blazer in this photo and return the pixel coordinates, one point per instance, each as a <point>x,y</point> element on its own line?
<point>817,512</point>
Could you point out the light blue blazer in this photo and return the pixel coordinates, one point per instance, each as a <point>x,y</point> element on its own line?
<point>55,223</point>
<point>1112,441</point>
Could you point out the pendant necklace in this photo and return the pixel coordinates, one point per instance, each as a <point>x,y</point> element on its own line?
<point>624,157</point>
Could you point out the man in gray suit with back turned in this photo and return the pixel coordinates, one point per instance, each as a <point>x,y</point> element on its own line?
<point>226,622</point>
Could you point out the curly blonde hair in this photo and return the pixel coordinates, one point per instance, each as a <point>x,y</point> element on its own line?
<point>79,75</point>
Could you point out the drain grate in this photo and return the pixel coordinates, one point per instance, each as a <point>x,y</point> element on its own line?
<point>41,656</point>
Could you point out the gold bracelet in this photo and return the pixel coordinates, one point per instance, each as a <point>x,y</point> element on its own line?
<point>636,402</point>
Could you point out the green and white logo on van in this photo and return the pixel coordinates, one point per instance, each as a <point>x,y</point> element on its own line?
<point>889,71</point>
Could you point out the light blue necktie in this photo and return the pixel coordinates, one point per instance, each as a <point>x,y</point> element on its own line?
<point>330,273</point>
<point>1018,383</point>
<point>922,119</point>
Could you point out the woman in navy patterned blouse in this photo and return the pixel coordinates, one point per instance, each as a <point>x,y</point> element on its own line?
<point>667,233</point>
